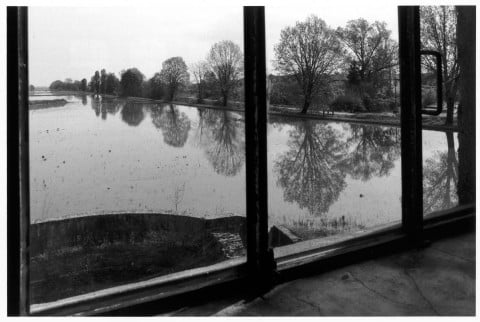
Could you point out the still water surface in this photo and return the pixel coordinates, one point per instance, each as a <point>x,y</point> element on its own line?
<point>96,157</point>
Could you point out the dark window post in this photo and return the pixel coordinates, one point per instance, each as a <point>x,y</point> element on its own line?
<point>259,257</point>
<point>411,121</point>
<point>466,40</point>
<point>18,210</point>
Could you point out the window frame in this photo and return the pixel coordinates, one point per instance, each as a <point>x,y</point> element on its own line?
<point>259,270</point>
<point>18,203</point>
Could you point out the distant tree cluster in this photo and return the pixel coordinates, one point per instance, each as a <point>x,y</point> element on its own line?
<point>218,78</point>
<point>69,85</point>
<point>104,83</point>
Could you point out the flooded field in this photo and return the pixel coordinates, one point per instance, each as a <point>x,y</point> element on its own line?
<point>92,157</point>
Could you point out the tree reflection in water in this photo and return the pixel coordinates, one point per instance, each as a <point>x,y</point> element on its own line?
<point>82,97</point>
<point>222,135</point>
<point>96,105</point>
<point>174,125</point>
<point>440,179</point>
<point>372,151</point>
<point>103,106</point>
<point>132,113</point>
<point>200,137</point>
<point>310,172</point>
<point>112,106</point>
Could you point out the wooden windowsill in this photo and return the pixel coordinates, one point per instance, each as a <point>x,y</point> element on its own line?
<point>139,292</point>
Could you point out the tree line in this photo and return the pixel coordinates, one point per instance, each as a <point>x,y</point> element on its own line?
<point>353,68</point>
<point>67,85</point>
<point>217,76</point>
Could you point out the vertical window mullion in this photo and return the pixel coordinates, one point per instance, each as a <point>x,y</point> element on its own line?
<point>411,121</point>
<point>259,256</point>
<point>18,207</point>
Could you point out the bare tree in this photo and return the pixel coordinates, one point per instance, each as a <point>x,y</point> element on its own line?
<point>174,74</point>
<point>311,52</point>
<point>226,60</point>
<point>369,46</point>
<point>199,71</point>
<point>438,28</point>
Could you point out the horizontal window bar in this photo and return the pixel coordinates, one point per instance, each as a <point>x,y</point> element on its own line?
<point>141,292</point>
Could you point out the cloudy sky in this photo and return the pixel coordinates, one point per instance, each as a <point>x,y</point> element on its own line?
<point>73,42</point>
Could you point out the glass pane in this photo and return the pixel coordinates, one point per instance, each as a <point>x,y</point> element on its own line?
<point>438,26</point>
<point>334,129</point>
<point>440,170</point>
<point>137,167</point>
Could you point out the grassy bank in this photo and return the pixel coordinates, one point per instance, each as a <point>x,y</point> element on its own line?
<point>380,118</point>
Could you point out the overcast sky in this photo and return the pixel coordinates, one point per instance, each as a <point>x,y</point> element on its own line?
<point>73,42</point>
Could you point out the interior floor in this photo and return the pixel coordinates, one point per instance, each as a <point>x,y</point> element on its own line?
<point>435,280</point>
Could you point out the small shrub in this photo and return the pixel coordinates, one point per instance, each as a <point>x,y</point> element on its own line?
<point>384,105</point>
<point>348,103</point>
<point>376,105</point>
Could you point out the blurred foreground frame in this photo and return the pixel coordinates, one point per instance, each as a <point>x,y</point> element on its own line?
<point>18,203</point>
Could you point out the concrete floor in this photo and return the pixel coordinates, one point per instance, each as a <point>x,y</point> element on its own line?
<point>437,280</point>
